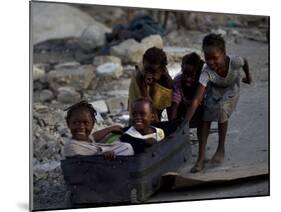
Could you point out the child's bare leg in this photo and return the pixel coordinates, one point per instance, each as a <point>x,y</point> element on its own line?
<point>219,155</point>
<point>203,137</point>
<point>199,131</point>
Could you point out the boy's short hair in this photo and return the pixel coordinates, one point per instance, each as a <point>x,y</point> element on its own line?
<point>144,100</point>
<point>155,55</point>
<point>82,105</point>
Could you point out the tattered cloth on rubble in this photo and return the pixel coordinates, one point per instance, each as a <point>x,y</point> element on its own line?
<point>138,28</point>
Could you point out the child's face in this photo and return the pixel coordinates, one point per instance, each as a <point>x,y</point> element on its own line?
<point>214,58</point>
<point>81,124</point>
<point>152,73</point>
<point>141,115</point>
<point>188,75</point>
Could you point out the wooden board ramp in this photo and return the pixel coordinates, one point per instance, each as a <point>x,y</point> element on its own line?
<point>178,180</point>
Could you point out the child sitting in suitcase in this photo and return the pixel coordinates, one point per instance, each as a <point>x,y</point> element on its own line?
<point>142,134</point>
<point>81,120</point>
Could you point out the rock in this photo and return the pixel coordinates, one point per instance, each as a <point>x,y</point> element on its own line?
<point>234,32</point>
<point>177,38</point>
<point>67,65</point>
<point>52,118</point>
<point>105,14</point>
<point>79,77</point>
<point>84,57</point>
<point>113,86</point>
<point>93,37</point>
<point>175,54</point>
<point>118,92</point>
<point>45,66</point>
<point>37,72</point>
<point>41,108</point>
<point>237,36</point>
<point>256,35</point>
<point>37,86</point>
<point>56,21</point>
<point>130,51</point>
<point>99,60</point>
<point>222,32</point>
<point>109,70</point>
<point>46,95</point>
<point>117,104</point>
<point>100,106</point>
<point>63,131</point>
<point>46,167</point>
<point>46,147</point>
<point>152,41</point>
<point>128,69</point>
<point>68,95</point>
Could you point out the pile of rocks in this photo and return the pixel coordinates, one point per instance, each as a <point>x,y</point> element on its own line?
<point>49,189</point>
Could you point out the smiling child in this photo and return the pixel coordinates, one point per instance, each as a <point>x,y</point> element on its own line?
<point>141,134</point>
<point>81,120</point>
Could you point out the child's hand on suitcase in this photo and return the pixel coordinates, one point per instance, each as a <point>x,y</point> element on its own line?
<point>150,141</point>
<point>109,155</point>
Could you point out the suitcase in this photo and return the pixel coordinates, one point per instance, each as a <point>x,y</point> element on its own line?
<point>127,179</point>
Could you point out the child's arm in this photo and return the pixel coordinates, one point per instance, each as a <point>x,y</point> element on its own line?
<point>141,82</point>
<point>248,78</point>
<point>109,155</point>
<point>195,102</point>
<point>99,135</point>
<point>150,141</point>
<point>176,99</point>
<point>166,80</point>
<point>174,110</point>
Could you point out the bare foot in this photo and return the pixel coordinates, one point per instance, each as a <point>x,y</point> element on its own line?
<point>197,167</point>
<point>217,158</point>
<point>207,160</point>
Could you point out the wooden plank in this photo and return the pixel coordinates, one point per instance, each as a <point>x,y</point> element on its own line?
<point>225,174</point>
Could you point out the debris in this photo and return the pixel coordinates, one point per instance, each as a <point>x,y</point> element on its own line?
<point>93,36</point>
<point>72,75</point>
<point>130,51</point>
<point>99,60</point>
<point>38,73</point>
<point>109,70</point>
<point>100,106</point>
<point>46,95</point>
<point>68,95</point>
